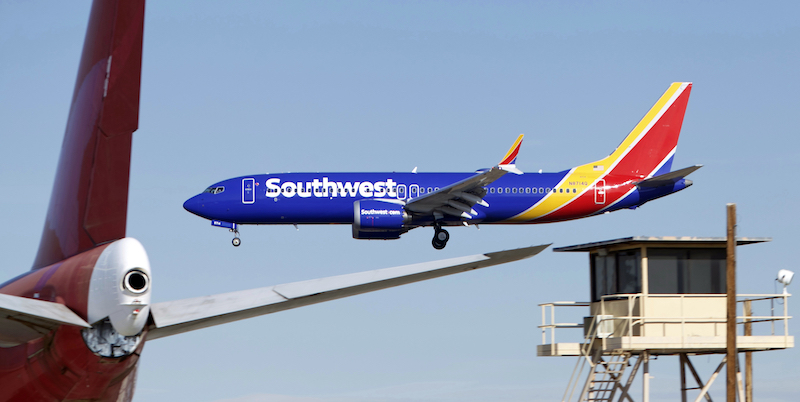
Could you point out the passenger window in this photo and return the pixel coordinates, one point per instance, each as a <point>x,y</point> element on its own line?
<point>548,189</point>
<point>508,190</point>
<point>560,190</point>
<point>527,190</point>
<point>401,192</point>
<point>514,190</point>
<point>430,190</point>
<point>541,190</point>
<point>491,190</point>
<point>574,190</point>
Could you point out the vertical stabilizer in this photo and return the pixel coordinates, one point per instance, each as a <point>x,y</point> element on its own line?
<point>89,202</point>
<point>650,146</point>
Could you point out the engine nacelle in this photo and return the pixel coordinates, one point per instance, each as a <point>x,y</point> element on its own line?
<point>379,219</point>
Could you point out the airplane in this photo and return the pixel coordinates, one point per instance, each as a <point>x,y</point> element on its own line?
<point>74,326</point>
<point>386,205</point>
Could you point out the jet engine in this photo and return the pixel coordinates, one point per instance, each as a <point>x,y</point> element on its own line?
<point>119,299</point>
<point>379,219</point>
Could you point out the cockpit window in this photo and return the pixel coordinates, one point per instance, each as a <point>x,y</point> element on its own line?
<point>214,190</point>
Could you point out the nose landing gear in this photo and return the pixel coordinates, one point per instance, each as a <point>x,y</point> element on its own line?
<point>440,237</point>
<point>236,240</point>
<point>232,227</point>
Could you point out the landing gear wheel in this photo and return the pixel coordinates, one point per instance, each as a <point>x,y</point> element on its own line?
<point>440,238</point>
<point>235,230</point>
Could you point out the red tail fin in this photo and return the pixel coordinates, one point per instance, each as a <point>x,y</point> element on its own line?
<point>89,203</point>
<point>651,144</point>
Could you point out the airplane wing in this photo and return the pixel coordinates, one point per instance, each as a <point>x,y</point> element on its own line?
<point>175,317</point>
<point>23,319</point>
<point>458,199</point>
<point>668,178</point>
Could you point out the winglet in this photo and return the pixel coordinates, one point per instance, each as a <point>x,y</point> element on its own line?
<point>509,161</point>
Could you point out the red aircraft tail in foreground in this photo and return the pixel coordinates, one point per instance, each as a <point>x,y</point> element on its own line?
<point>74,326</point>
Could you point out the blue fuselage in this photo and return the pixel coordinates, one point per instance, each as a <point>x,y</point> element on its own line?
<point>326,198</point>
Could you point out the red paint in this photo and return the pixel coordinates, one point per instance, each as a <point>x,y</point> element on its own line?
<point>641,161</point>
<point>89,202</point>
<point>88,207</point>
<point>59,366</point>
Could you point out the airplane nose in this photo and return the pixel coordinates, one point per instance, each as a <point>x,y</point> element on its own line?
<point>194,205</point>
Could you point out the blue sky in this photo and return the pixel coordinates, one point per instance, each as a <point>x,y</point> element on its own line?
<point>239,88</point>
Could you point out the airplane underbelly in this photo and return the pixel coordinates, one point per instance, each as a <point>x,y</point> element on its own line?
<point>302,211</point>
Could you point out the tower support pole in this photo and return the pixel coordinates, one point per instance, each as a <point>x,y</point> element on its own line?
<point>730,278</point>
<point>748,356</point>
<point>646,377</point>
<point>682,360</point>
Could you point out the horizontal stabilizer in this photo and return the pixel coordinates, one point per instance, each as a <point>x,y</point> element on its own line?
<point>23,319</point>
<point>175,317</point>
<point>668,178</point>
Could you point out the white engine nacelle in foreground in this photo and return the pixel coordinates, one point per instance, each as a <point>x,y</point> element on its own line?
<point>120,287</point>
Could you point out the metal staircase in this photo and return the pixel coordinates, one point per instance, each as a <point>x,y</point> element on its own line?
<point>605,376</point>
<point>605,372</point>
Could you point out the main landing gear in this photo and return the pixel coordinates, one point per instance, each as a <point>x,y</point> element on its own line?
<point>440,237</point>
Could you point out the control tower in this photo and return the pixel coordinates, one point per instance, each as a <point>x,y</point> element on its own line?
<point>653,296</point>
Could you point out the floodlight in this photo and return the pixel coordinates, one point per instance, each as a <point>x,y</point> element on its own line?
<point>785,278</point>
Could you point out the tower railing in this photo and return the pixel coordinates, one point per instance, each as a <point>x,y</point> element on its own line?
<point>632,324</point>
<point>603,379</point>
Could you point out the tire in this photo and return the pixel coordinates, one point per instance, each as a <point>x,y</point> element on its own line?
<point>442,236</point>
<point>438,244</point>
<point>236,242</point>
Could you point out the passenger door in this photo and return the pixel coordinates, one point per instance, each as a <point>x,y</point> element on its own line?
<point>600,192</point>
<point>248,191</point>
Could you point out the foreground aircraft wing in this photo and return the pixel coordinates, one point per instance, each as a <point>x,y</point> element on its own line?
<point>668,178</point>
<point>23,319</point>
<point>458,199</point>
<point>175,317</point>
